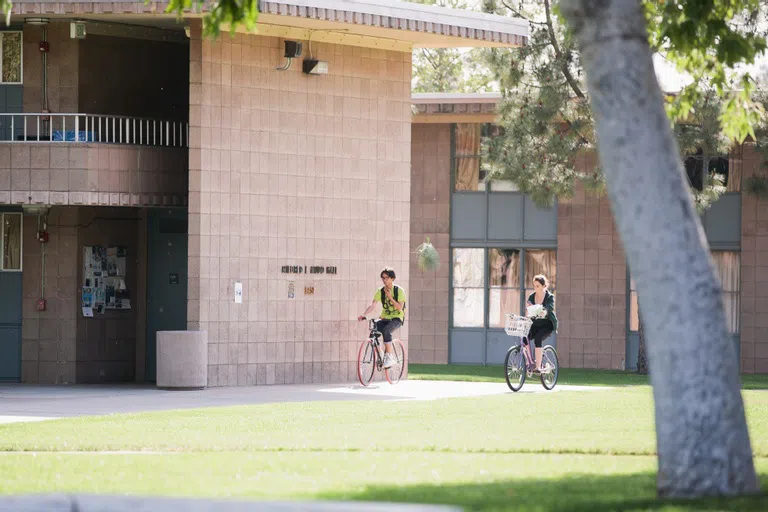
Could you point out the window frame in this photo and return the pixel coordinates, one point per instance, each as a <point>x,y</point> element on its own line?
<point>484,186</point>
<point>453,288</point>
<point>522,290</point>
<point>21,56</point>
<point>2,242</point>
<point>736,293</point>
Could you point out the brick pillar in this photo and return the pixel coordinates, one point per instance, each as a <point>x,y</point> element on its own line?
<point>591,283</point>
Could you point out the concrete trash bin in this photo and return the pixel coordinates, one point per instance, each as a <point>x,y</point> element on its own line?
<point>182,359</point>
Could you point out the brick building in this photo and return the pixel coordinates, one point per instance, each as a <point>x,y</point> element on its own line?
<point>493,240</point>
<point>146,173</point>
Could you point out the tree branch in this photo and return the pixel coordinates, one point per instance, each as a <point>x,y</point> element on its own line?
<point>559,53</point>
<point>520,15</point>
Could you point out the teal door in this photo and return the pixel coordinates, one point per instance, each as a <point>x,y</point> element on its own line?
<point>166,277</point>
<point>10,326</point>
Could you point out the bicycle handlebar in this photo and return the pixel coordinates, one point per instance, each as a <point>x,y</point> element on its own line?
<point>371,323</point>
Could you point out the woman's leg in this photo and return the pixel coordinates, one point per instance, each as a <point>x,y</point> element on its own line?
<point>541,334</point>
<point>533,335</point>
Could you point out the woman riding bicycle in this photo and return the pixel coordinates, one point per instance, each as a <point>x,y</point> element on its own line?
<point>542,328</point>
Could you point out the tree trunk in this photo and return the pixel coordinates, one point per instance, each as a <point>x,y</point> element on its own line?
<point>642,359</point>
<point>702,440</point>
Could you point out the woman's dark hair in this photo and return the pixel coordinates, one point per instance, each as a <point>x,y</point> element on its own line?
<point>542,280</point>
<point>388,271</point>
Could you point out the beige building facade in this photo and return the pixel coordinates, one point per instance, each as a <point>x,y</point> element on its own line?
<point>147,173</point>
<point>491,248</point>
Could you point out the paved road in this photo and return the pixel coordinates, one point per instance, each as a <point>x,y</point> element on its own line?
<point>35,403</point>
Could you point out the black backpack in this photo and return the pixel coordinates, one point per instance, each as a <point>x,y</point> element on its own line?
<point>384,295</point>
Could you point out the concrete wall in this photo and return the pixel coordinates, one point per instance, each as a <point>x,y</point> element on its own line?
<point>49,337</point>
<point>62,65</point>
<point>430,217</point>
<point>106,343</point>
<point>92,174</point>
<point>754,269</point>
<point>134,77</point>
<point>591,283</point>
<point>290,169</point>
<point>106,75</point>
<point>59,345</point>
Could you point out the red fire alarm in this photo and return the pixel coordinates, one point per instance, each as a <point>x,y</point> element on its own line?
<point>44,47</point>
<point>42,237</point>
<point>41,304</point>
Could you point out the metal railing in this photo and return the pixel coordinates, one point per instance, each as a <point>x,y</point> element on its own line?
<point>92,128</point>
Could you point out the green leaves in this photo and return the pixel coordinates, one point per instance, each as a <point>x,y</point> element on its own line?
<point>704,39</point>
<point>7,8</point>
<point>231,13</point>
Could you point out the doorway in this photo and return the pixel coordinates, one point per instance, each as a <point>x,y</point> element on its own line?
<point>166,277</point>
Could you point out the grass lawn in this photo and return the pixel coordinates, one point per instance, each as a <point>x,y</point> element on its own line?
<point>588,450</point>
<point>574,376</point>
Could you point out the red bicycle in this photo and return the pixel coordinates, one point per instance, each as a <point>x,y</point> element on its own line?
<point>370,358</point>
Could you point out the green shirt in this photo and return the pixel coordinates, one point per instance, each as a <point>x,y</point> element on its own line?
<point>390,311</point>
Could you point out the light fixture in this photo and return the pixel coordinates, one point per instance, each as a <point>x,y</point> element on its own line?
<point>34,209</point>
<point>314,67</point>
<point>292,50</point>
<point>36,21</point>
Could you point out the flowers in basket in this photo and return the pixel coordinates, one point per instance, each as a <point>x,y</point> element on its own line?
<point>536,311</point>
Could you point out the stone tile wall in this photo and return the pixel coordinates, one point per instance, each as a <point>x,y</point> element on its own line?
<point>430,217</point>
<point>291,169</point>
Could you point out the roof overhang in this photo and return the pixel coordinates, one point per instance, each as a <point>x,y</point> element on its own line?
<point>384,24</point>
<point>455,107</point>
<point>420,25</point>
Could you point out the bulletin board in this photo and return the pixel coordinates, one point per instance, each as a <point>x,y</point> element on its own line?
<point>104,270</point>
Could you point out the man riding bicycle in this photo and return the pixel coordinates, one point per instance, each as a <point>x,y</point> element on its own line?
<point>392,298</point>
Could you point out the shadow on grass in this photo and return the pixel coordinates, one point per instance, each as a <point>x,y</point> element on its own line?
<point>569,376</point>
<point>578,493</point>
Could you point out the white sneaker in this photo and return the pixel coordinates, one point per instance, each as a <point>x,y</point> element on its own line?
<point>388,361</point>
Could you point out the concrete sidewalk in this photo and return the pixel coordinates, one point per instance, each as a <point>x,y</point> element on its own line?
<point>19,402</point>
<point>96,503</point>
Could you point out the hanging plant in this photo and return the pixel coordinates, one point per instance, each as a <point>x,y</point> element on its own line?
<point>428,259</point>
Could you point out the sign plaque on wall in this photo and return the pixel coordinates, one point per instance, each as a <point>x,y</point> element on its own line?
<point>303,269</point>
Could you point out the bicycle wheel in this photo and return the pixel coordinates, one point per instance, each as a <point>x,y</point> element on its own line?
<point>366,362</point>
<point>550,368</point>
<point>514,365</point>
<point>395,372</point>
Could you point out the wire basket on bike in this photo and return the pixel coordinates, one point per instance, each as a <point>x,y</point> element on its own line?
<point>517,325</point>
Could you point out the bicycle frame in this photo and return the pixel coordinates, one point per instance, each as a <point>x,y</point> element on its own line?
<point>530,362</point>
<point>375,338</point>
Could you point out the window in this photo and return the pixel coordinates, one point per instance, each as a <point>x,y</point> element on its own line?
<point>694,168</point>
<point>468,287</point>
<point>540,261</point>
<point>504,285</point>
<point>11,57</point>
<point>469,176</point>
<point>470,141</point>
<point>728,270</point>
<point>10,243</point>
